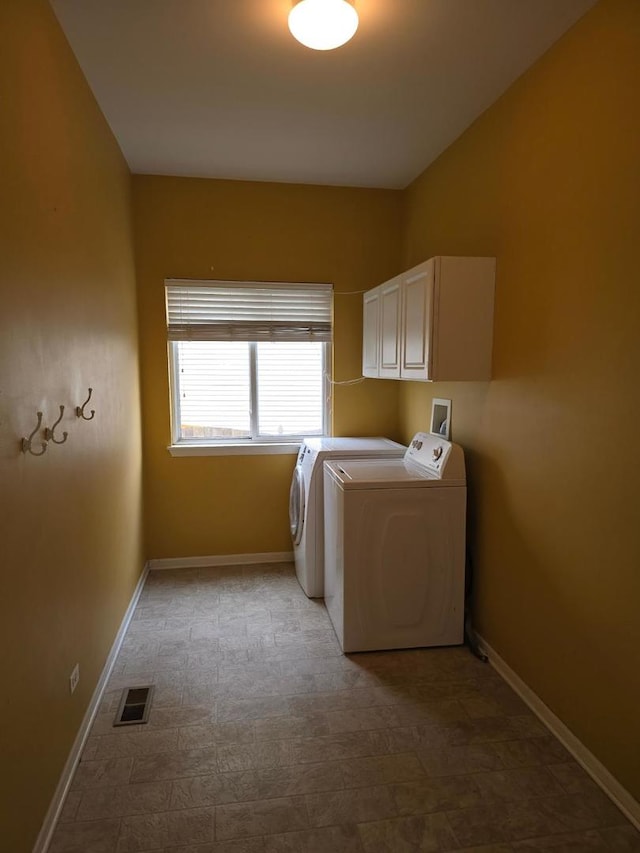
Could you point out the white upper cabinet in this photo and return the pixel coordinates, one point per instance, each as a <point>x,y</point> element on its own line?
<point>390,330</point>
<point>417,307</point>
<point>432,323</point>
<point>381,338</point>
<point>370,336</point>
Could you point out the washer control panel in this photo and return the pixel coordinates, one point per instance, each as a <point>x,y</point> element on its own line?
<point>428,451</point>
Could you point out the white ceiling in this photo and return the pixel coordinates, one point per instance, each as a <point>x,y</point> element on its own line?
<point>219,88</point>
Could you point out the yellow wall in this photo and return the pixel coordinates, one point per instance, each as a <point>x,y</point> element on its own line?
<point>70,521</point>
<point>547,180</point>
<point>190,228</point>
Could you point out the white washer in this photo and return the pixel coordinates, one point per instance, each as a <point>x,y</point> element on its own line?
<point>306,506</point>
<point>395,547</point>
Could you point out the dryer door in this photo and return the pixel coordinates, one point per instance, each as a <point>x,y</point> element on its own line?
<point>296,505</point>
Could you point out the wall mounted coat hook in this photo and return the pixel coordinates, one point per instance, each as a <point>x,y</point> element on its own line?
<point>49,433</point>
<point>80,409</point>
<point>26,442</point>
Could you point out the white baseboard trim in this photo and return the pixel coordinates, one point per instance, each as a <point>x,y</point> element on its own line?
<point>627,804</point>
<point>46,832</point>
<point>220,560</point>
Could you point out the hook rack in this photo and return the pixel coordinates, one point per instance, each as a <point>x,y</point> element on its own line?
<point>49,434</point>
<point>80,409</point>
<point>26,442</point>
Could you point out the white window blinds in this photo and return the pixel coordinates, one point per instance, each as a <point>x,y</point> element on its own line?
<point>248,311</point>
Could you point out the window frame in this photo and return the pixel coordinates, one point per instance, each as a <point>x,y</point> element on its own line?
<point>251,444</point>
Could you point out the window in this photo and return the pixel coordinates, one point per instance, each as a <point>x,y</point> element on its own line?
<point>249,361</point>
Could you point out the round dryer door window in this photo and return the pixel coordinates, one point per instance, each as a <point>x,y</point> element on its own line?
<point>296,505</point>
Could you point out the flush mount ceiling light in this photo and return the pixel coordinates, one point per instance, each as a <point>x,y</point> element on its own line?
<point>323,24</point>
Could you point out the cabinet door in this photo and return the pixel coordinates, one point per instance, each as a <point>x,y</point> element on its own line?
<point>390,308</point>
<point>370,332</point>
<point>417,319</point>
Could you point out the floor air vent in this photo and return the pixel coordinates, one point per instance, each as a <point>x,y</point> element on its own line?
<point>134,706</point>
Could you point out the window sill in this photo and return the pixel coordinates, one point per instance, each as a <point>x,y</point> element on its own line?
<point>266,448</point>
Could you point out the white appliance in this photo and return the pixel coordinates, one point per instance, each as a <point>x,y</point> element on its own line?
<point>306,506</point>
<point>395,547</point>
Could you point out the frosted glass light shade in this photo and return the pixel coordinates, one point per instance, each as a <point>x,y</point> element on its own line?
<point>323,24</point>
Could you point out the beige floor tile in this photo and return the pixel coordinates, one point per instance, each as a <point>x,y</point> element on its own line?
<point>623,839</point>
<point>210,790</point>
<point>519,784</point>
<point>179,716</point>
<point>70,807</point>
<point>199,693</point>
<point>251,709</point>
<point>142,798</point>
<point>191,826</point>
<point>408,739</point>
<point>425,795</point>
<point>291,726</point>
<point>305,635</point>
<point>529,752</point>
<point>90,748</point>
<point>201,736</point>
<point>320,666</point>
<point>340,700</point>
<point>581,811</point>
<point>574,842</point>
<point>572,778</point>
<point>435,712</point>
<point>333,839</point>
<point>260,670</point>
<point>344,679</point>
<point>206,674</point>
<point>141,624</point>
<point>296,651</point>
<point>157,831</point>
<point>357,719</point>
<point>494,729</point>
<point>431,687</point>
<point>476,826</point>
<point>507,821</point>
<point>426,833</point>
<point>264,817</point>
<point>106,773</point>
<point>498,703</point>
<point>353,805</point>
<point>174,765</point>
<point>118,681</point>
<point>242,845</point>
<point>263,784</point>
<point>454,760</point>
<point>100,836</point>
<point>252,756</point>
<point>340,746</point>
<point>250,686</point>
<point>381,770</point>
<point>127,742</point>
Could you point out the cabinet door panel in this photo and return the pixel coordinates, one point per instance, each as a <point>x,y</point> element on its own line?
<point>370,333</point>
<point>417,320</point>
<point>390,329</point>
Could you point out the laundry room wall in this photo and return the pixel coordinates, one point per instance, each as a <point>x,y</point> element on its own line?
<point>71,520</point>
<point>203,229</point>
<point>548,181</point>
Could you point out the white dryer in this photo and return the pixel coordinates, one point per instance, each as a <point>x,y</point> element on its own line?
<point>395,547</point>
<point>306,506</point>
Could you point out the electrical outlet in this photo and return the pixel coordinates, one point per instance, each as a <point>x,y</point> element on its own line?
<point>74,678</point>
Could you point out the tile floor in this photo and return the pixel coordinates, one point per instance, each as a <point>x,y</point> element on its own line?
<point>264,738</point>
